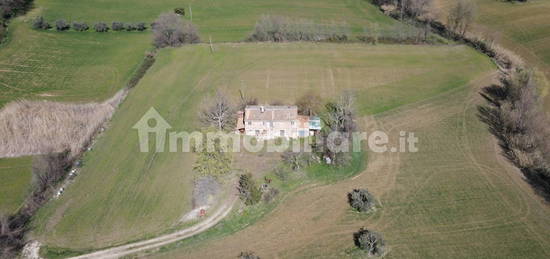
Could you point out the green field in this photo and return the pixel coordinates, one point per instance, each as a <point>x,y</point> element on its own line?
<point>228,20</point>
<point>67,66</point>
<point>123,194</point>
<point>457,197</point>
<point>15,175</point>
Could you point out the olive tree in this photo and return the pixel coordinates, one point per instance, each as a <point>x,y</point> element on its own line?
<point>369,241</point>
<point>361,200</point>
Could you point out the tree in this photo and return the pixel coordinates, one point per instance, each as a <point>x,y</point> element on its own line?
<point>117,26</point>
<point>248,255</point>
<point>40,23</point>
<point>169,30</point>
<point>140,26</point>
<point>309,104</point>
<point>249,192</point>
<point>80,26</point>
<point>101,27</point>
<point>179,11</point>
<point>461,16</point>
<point>369,241</point>
<point>130,27</point>
<point>296,160</point>
<point>417,8</point>
<point>361,200</point>
<point>341,114</point>
<point>61,25</point>
<point>218,112</point>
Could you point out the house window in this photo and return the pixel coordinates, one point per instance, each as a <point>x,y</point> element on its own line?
<point>282,133</point>
<point>249,123</point>
<point>257,132</point>
<point>292,123</point>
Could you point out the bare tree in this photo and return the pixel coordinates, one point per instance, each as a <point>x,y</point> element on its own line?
<point>169,30</point>
<point>416,8</point>
<point>461,16</point>
<point>218,112</point>
<point>309,104</point>
<point>341,113</point>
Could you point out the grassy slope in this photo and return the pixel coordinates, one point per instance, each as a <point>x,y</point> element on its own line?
<point>521,27</point>
<point>128,195</point>
<point>16,177</point>
<point>228,20</point>
<point>456,198</point>
<point>67,66</point>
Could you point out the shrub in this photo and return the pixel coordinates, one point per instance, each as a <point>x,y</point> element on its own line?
<point>169,30</point>
<point>249,193</point>
<point>248,255</point>
<point>148,61</point>
<point>130,27</point>
<point>80,26</point>
<point>40,23</point>
<point>278,29</point>
<point>180,11</point>
<point>117,26</point>
<point>369,241</point>
<point>140,26</point>
<point>61,25</point>
<point>269,194</point>
<point>361,200</point>
<point>101,27</point>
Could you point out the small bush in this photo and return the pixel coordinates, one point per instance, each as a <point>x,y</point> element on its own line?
<point>80,26</point>
<point>361,200</point>
<point>369,241</point>
<point>249,192</point>
<point>101,27</point>
<point>61,25</point>
<point>140,26</point>
<point>40,23</point>
<point>248,255</point>
<point>180,11</point>
<point>269,194</point>
<point>117,26</point>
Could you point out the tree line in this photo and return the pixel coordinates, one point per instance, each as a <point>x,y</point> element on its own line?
<point>62,25</point>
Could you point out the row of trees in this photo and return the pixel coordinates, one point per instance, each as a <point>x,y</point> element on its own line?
<point>63,25</point>
<point>11,8</point>
<point>279,29</point>
<point>47,171</point>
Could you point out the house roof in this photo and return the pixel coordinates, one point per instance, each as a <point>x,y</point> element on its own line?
<point>271,113</point>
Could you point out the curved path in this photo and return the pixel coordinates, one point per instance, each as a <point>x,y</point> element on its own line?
<point>123,250</point>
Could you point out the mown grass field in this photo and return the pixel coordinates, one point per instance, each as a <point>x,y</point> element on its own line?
<point>521,27</point>
<point>122,194</point>
<point>455,198</point>
<point>16,179</point>
<point>67,66</point>
<point>228,20</point>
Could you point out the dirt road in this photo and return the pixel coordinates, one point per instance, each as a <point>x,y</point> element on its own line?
<point>123,250</point>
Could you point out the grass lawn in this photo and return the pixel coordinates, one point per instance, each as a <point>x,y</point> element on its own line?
<point>67,66</point>
<point>16,178</point>
<point>228,20</point>
<point>454,198</point>
<point>522,27</point>
<point>122,194</point>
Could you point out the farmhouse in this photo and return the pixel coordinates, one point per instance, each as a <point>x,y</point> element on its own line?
<point>269,122</point>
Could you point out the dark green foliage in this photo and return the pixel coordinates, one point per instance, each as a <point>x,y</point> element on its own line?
<point>80,26</point>
<point>369,241</point>
<point>101,27</point>
<point>117,26</point>
<point>249,192</point>
<point>180,11</point>
<point>361,200</point>
<point>62,25</point>
<point>40,23</point>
